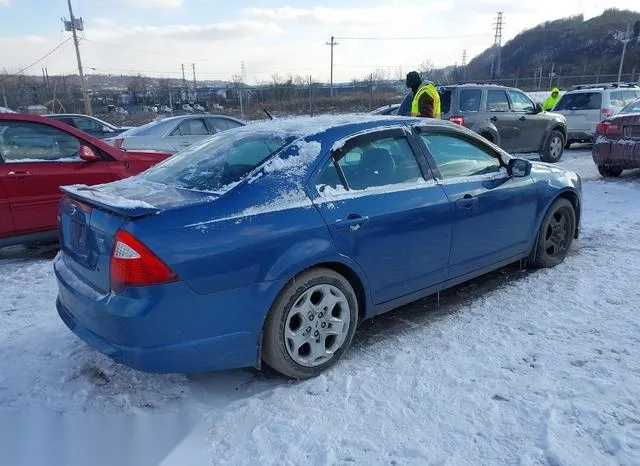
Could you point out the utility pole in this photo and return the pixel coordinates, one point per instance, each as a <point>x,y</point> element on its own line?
<point>332,44</point>
<point>497,44</point>
<point>74,26</point>
<point>184,80</point>
<point>626,40</point>
<point>551,75</point>
<point>193,66</point>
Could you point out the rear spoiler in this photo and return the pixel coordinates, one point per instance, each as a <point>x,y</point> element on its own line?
<point>110,202</point>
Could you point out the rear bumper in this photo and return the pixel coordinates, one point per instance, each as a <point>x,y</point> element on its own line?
<point>624,153</point>
<point>167,328</point>
<point>580,136</point>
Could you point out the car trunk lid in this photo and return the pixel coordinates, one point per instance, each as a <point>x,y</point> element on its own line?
<point>90,217</point>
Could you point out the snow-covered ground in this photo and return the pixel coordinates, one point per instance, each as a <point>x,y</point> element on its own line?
<point>518,367</point>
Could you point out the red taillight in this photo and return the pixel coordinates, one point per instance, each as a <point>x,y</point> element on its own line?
<point>458,120</point>
<point>133,264</point>
<point>606,113</point>
<point>607,128</point>
<point>118,143</point>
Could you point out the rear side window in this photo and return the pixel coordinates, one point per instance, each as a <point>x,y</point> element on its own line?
<point>217,162</point>
<point>374,163</point>
<point>191,127</point>
<point>221,124</point>
<point>632,107</point>
<point>622,98</point>
<point>580,101</point>
<point>497,101</point>
<point>445,99</point>
<point>469,100</point>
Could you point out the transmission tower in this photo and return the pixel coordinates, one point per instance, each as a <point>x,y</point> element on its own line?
<point>497,45</point>
<point>464,58</point>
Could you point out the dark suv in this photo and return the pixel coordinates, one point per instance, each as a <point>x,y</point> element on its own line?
<point>507,117</point>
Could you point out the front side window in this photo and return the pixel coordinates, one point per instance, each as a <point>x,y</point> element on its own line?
<point>373,163</point>
<point>520,102</point>
<point>456,157</point>
<point>217,162</point>
<point>497,101</point>
<point>29,142</point>
<point>221,124</point>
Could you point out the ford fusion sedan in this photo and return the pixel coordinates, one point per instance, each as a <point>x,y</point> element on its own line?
<point>270,243</point>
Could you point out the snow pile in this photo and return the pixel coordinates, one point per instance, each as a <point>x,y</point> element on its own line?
<point>6,110</point>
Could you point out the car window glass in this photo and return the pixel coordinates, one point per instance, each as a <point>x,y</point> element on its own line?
<point>497,101</point>
<point>456,157</point>
<point>191,127</point>
<point>26,141</point>
<point>632,107</point>
<point>217,161</point>
<point>580,101</point>
<point>622,98</point>
<point>470,100</point>
<point>445,99</point>
<point>375,163</point>
<point>86,124</point>
<point>221,124</point>
<point>520,102</point>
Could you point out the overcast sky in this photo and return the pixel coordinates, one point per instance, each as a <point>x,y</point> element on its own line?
<point>154,37</point>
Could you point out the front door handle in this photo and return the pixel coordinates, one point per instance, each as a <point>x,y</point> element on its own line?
<point>353,222</point>
<point>467,202</point>
<point>18,174</point>
<point>522,118</point>
<point>494,118</point>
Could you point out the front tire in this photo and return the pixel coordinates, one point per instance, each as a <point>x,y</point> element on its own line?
<point>610,171</point>
<point>311,324</point>
<point>555,236</point>
<point>553,148</point>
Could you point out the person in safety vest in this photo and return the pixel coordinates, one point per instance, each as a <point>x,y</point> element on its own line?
<point>425,100</point>
<point>552,100</point>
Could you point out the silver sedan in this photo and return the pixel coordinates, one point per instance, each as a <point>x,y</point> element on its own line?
<point>174,133</point>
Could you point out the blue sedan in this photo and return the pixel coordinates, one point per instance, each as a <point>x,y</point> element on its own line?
<point>270,243</point>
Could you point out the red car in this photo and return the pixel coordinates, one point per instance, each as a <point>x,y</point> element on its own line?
<point>617,145</point>
<point>37,156</point>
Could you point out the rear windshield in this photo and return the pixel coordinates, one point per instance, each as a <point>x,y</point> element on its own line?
<point>445,99</point>
<point>218,161</point>
<point>580,101</point>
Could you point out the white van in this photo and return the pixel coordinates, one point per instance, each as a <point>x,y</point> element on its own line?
<point>585,106</point>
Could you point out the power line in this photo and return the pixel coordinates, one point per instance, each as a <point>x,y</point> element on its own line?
<point>37,61</point>
<point>415,37</point>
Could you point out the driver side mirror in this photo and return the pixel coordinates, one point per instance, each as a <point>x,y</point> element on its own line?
<point>87,154</point>
<point>519,168</point>
<point>538,109</point>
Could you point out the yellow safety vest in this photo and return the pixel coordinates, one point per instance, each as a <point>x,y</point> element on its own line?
<point>433,92</point>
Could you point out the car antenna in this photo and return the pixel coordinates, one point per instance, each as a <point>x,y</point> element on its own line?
<point>268,114</point>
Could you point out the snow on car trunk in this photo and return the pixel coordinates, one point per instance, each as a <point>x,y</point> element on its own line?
<point>536,367</point>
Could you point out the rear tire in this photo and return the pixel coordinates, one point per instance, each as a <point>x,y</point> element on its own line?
<point>610,171</point>
<point>553,148</point>
<point>311,324</point>
<point>555,236</point>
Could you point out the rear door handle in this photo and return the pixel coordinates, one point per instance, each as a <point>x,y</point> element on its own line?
<point>18,174</point>
<point>522,118</point>
<point>467,202</point>
<point>353,222</point>
<point>494,118</point>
